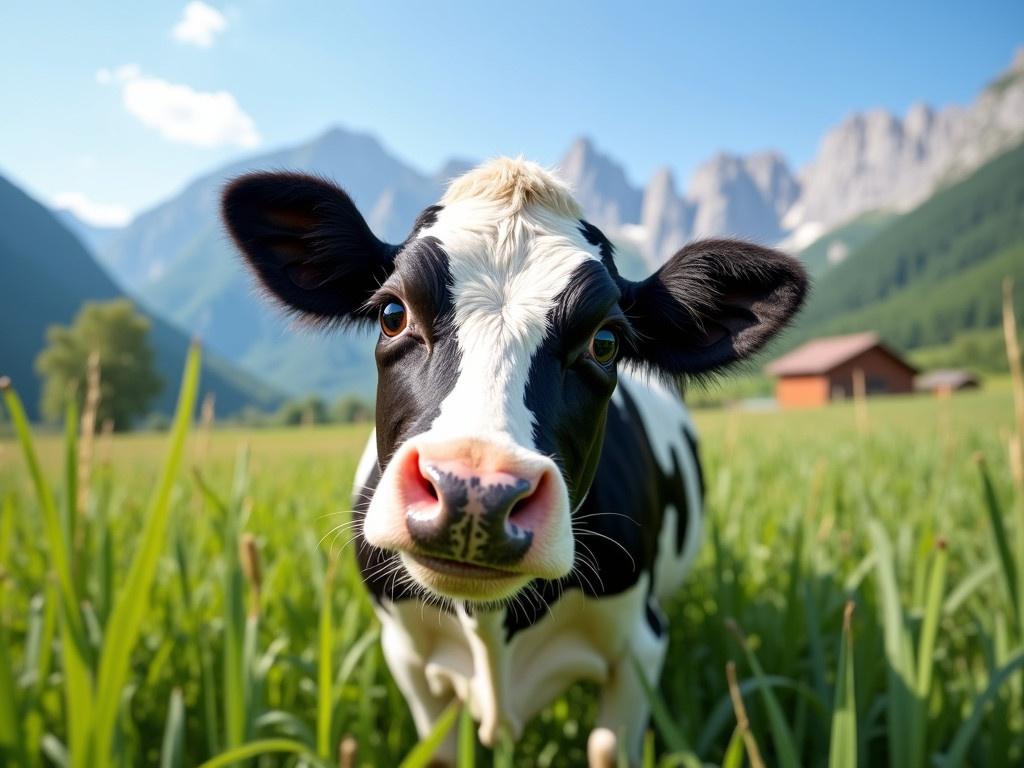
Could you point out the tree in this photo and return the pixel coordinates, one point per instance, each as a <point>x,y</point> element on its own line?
<point>306,411</point>
<point>349,409</point>
<point>118,334</point>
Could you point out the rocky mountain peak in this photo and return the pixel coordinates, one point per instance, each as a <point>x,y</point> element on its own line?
<point>876,160</point>
<point>600,185</point>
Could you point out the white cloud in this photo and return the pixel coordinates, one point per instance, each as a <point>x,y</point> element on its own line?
<point>199,25</point>
<point>181,114</point>
<point>91,212</point>
<point>125,72</point>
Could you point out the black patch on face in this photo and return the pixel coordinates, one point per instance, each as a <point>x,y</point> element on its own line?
<point>427,218</point>
<point>597,238</point>
<point>417,369</point>
<point>415,372</point>
<point>566,391</point>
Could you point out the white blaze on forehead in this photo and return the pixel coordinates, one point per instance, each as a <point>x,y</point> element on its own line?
<point>511,232</point>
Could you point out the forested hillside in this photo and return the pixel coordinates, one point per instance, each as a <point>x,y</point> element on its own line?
<point>934,272</point>
<point>45,276</point>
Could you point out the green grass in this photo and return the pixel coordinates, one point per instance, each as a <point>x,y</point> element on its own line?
<point>160,633</point>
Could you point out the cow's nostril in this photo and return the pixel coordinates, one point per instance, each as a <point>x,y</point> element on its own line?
<point>518,507</point>
<point>524,511</point>
<point>420,486</point>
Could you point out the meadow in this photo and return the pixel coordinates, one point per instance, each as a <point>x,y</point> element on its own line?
<point>857,602</point>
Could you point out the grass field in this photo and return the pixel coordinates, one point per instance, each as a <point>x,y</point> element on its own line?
<point>189,611</point>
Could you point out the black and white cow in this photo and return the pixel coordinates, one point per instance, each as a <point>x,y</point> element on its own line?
<point>531,492</point>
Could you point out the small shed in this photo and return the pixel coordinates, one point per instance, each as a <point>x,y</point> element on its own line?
<point>825,369</point>
<point>944,382</point>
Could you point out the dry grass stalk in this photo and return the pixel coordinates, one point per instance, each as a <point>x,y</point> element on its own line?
<point>206,416</point>
<point>87,433</point>
<point>249,554</point>
<point>602,749</point>
<point>742,721</point>
<point>106,442</point>
<point>348,751</point>
<point>860,400</point>
<point>1013,358</point>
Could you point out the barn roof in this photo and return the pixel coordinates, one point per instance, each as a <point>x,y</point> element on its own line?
<point>946,379</point>
<point>822,355</point>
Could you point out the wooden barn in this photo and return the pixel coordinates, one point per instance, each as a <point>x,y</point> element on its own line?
<point>829,368</point>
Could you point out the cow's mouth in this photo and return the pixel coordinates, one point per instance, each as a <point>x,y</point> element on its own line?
<point>460,569</point>
<point>462,580</point>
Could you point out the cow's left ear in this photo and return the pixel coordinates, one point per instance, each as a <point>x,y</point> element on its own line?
<point>307,243</point>
<point>715,302</point>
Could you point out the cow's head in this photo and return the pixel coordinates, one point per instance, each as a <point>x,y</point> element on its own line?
<point>502,322</point>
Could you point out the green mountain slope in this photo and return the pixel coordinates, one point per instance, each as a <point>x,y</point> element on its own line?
<point>934,272</point>
<point>46,274</point>
<point>835,246</point>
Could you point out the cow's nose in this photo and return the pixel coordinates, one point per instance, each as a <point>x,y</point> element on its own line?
<point>481,517</point>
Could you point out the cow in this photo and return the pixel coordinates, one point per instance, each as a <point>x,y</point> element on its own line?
<point>532,491</point>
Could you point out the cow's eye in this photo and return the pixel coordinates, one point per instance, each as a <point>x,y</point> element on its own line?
<point>604,346</point>
<point>393,318</point>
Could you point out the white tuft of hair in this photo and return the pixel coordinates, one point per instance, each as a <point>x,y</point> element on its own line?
<point>515,183</point>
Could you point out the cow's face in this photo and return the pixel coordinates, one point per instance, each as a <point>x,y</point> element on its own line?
<point>502,322</point>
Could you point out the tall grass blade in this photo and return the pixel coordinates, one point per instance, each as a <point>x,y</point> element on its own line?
<point>325,691</point>
<point>172,753</point>
<point>965,733</point>
<point>932,614</point>
<point>899,654</point>
<point>843,746</point>
<point>663,719</point>
<point>71,481</point>
<point>130,605</point>
<point>734,752</point>
<point>9,725</point>
<point>467,740</point>
<point>422,754</point>
<point>782,736</point>
<point>1002,540</point>
<point>265,747</point>
<point>78,685</point>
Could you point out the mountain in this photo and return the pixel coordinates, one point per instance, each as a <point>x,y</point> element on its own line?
<point>743,196</point>
<point>876,160</point>
<point>666,219</point>
<point>836,246</point>
<point>45,276</point>
<point>600,186</point>
<point>179,261</point>
<point>93,237</point>
<point>729,194</point>
<point>386,190</point>
<point>933,273</point>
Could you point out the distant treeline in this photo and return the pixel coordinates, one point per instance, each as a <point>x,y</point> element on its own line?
<point>309,410</point>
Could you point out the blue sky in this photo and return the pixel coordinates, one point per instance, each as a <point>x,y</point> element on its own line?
<point>117,106</point>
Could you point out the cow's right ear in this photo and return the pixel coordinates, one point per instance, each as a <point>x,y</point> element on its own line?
<point>307,243</point>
